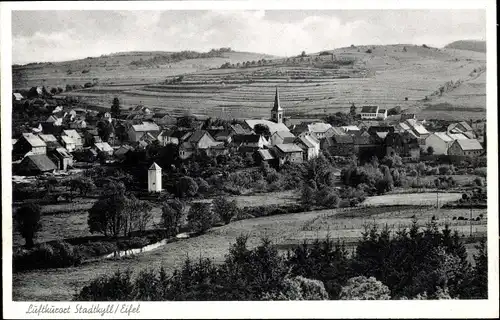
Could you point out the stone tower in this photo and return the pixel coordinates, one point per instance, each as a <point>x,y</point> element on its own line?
<point>277,111</point>
<point>154,178</point>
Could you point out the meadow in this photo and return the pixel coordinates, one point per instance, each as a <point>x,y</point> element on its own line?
<point>284,230</point>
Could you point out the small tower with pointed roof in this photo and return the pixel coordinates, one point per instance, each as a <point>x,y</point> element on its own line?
<point>277,111</point>
<point>154,178</point>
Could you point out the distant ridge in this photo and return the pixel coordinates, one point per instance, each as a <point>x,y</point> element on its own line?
<point>471,45</point>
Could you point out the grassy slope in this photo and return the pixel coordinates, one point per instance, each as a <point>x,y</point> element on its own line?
<point>284,230</point>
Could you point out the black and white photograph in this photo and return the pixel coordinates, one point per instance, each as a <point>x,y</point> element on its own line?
<point>219,152</point>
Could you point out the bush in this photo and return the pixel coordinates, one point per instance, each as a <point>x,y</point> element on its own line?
<point>200,217</point>
<point>225,208</point>
<point>28,223</point>
<point>58,254</point>
<point>172,216</point>
<point>117,287</point>
<point>187,187</point>
<point>362,288</point>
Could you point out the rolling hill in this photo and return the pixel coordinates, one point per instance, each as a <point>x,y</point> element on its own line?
<point>409,76</point>
<point>472,45</point>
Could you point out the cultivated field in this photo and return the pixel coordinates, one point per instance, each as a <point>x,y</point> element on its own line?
<point>283,230</point>
<point>389,76</point>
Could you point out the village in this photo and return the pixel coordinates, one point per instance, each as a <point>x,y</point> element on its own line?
<point>67,136</point>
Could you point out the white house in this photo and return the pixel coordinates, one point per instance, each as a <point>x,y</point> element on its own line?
<point>439,141</point>
<point>382,114</point>
<point>75,136</point>
<point>68,143</point>
<point>369,112</point>
<point>280,137</point>
<point>154,178</point>
<point>469,147</point>
<point>136,131</point>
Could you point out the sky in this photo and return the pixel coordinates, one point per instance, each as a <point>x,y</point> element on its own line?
<point>42,36</point>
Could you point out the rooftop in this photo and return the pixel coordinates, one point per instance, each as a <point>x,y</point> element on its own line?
<point>146,126</point>
<point>469,144</point>
<point>288,147</point>
<point>34,140</point>
<point>369,109</point>
<point>273,126</point>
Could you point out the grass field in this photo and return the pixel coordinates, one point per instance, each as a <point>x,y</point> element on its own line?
<point>283,230</point>
<point>415,199</point>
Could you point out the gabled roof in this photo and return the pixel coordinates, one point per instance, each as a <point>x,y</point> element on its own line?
<point>457,136</point>
<point>319,127</point>
<point>273,126</point>
<point>48,137</point>
<point>51,119</point>
<point>197,135</point>
<point>68,140</point>
<point>469,134</point>
<point>155,167</point>
<point>443,136</point>
<point>146,126</point>
<point>18,96</point>
<point>288,147</point>
<point>63,153</point>
<point>72,134</point>
<point>41,161</point>
<point>382,135</point>
<point>103,146</point>
<point>305,142</point>
<point>34,140</point>
<point>369,109</point>
<point>122,150</point>
<point>246,138</point>
<point>382,110</point>
<point>404,126</point>
<point>350,128</point>
<point>469,144</point>
<point>342,139</point>
<point>286,136</point>
<point>238,129</point>
<point>265,154</point>
<point>466,125</point>
<point>338,131</point>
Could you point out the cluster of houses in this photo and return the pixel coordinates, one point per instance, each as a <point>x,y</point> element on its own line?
<point>54,144</point>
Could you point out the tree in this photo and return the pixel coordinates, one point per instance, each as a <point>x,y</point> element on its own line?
<point>104,130</point>
<point>430,150</point>
<point>115,107</point>
<point>200,217</point>
<point>262,129</point>
<point>28,222</point>
<point>186,187</point>
<point>362,288</point>
<point>53,90</point>
<point>137,214</point>
<point>108,214</point>
<point>303,54</point>
<point>172,216</point>
<point>352,110</point>
<point>224,208</point>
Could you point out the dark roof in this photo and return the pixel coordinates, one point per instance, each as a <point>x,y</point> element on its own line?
<point>247,149</point>
<point>344,139</point>
<point>266,154</point>
<point>197,135</point>
<point>238,129</point>
<point>369,109</point>
<point>362,140</point>
<point>241,138</point>
<point>41,162</point>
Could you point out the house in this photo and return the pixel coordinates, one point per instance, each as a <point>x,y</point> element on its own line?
<point>335,131</point>
<point>469,147</point>
<point>265,155</point>
<point>164,119</point>
<point>173,136</point>
<point>382,114</point>
<point>280,137</point>
<point>404,144</point>
<point>68,143</point>
<point>17,96</point>
<point>310,150</point>
<point>439,141</point>
<point>199,140</point>
<point>78,124</point>
<point>406,116</point>
<point>238,129</point>
<point>340,145</point>
<point>250,140</point>
<point>75,136</point>
<point>366,146</point>
<point>369,112</point>
<point>35,164</point>
<point>289,152</point>
<point>417,128</point>
<point>35,92</point>
<point>350,129</point>
<point>224,136</point>
<point>136,131</point>
<point>50,141</point>
<point>103,147</point>
<point>62,158</point>
<point>54,120</point>
<point>380,129</point>
<point>462,127</point>
<point>29,143</point>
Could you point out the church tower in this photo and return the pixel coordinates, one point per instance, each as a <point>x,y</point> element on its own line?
<point>277,111</point>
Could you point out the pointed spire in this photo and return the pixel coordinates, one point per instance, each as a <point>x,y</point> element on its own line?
<point>277,105</point>
<point>154,166</point>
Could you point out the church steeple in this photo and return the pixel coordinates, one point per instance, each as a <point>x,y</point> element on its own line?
<point>277,111</point>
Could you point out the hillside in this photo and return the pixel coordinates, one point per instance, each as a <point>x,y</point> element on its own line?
<point>409,76</point>
<point>125,68</point>
<point>471,45</point>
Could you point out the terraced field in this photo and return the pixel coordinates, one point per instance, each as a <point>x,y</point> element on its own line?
<point>389,76</point>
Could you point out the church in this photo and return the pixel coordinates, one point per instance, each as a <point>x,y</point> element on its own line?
<point>277,116</point>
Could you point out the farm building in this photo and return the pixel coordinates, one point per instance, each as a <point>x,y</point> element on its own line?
<point>265,155</point>
<point>280,137</point>
<point>173,136</point>
<point>288,153</point>
<point>28,142</point>
<point>136,131</point>
<point>439,141</point>
<point>36,164</point>
<point>68,143</point>
<point>199,140</point>
<point>469,147</point>
<point>417,128</point>
<point>320,129</point>
<point>369,112</point>
<point>75,136</point>
<point>62,158</point>
<point>462,127</point>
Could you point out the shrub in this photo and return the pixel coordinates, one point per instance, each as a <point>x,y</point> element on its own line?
<point>225,208</point>
<point>56,254</point>
<point>363,288</point>
<point>172,216</point>
<point>200,217</point>
<point>187,187</point>
<point>117,287</point>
